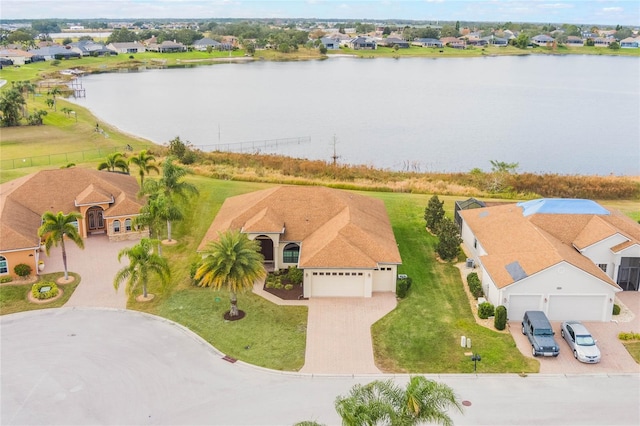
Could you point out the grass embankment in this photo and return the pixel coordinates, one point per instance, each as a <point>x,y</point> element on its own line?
<point>13,296</point>
<point>634,350</point>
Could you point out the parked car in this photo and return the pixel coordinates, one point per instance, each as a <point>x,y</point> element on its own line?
<point>580,341</point>
<point>537,328</point>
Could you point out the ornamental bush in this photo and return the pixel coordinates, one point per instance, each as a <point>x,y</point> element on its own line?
<point>288,287</point>
<point>6,279</point>
<point>42,295</point>
<point>629,336</point>
<point>295,275</point>
<point>500,320</point>
<point>485,310</point>
<point>616,309</point>
<point>22,270</point>
<point>475,286</point>
<point>402,287</point>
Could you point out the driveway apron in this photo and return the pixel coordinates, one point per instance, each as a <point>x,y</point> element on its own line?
<point>97,264</point>
<point>339,334</point>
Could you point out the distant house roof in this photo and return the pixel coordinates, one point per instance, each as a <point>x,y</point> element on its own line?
<point>204,42</point>
<point>334,228</point>
<point>542,38</point>
<point>542,233</point>
<point>55,51</point>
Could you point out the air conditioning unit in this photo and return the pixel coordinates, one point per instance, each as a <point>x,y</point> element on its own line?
<point>470,263</point>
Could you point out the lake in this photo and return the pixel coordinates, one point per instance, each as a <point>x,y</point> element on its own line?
<point>569,114</point>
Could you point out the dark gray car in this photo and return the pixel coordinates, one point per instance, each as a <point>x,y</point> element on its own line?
<point>537,328</point>
<point>580,341</point>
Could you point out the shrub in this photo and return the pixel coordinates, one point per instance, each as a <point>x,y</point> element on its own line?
<point>22,270</point>
<point>500,320</point>
<point>288,286</point>
<point>402,287</point>
<point>629,336</point>
<point>616,309</point>
<point>6,279</point>
<point>475,286</point>
<point>295,275</point>
<point>37,294</point>
<point>485,310</point>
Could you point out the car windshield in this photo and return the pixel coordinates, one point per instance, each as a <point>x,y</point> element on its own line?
<point>543,332</point>
<point>585,340</point>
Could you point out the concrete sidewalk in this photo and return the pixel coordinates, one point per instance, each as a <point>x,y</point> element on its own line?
<point>97,264</point>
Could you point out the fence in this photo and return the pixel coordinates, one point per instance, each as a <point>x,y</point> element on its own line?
<point>253,146</point>
<point>58,158</point>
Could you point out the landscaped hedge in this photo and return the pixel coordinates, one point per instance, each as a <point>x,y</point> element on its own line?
<point>486,310</point>
<point>475,286</point>
<point>500,320</point>
<point>616,309</point>
<point>52,292</point>
<point>295,275</point>
<point>6,279</point>
<point>402,287</point>
<point>629,336</point>
<point>22,270</point>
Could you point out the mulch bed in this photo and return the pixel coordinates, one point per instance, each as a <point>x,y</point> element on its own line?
<point>294,294</point>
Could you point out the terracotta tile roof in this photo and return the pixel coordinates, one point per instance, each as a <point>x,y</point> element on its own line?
<point>335,228</point>
<point>539,241</point>
<point>24,200</point>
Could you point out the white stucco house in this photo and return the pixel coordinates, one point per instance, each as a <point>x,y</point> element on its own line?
<point>343,241</point>
<point>566,257</point>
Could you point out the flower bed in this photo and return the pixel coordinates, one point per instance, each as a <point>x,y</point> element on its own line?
<point>44,290</point>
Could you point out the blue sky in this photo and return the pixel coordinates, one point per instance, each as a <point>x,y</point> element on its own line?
<point>604,12</point>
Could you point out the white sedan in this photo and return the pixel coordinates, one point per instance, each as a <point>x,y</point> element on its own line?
<point>580,341</point>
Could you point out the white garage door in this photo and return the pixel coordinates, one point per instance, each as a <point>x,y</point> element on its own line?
<point>337,286</point>
<point>577,307</point>
<point>520,303</point>
<point>384,280</point>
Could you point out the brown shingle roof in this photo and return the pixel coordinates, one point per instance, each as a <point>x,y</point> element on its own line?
<point>335,228</point>
<point>24,200</point>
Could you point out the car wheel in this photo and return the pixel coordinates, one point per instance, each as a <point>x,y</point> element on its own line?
<point>575,354</point>
<point>562,332</point>
<point>523,332</point>
<point>533,351</point>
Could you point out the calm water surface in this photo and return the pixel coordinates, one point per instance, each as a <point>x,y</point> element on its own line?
<point>559,114</point>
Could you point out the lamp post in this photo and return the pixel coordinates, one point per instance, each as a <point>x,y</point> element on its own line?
<point>475,358</point>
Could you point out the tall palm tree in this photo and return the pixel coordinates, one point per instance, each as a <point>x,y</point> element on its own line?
<point>233,262</point>
<point>53,93</point>
<point>144,163</point>
<point>384,402</point>
<point>114,161</point>
<point>171,186</point>
<point>142,262</point>
<point>55,227</point>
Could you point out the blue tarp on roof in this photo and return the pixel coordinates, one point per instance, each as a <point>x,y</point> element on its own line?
<point>562,206</point>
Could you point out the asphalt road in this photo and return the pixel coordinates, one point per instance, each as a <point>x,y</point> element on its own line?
<point>86,366</point>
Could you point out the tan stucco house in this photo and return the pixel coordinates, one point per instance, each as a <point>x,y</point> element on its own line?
<point>107,202</point>
<point>343,241</point>
<point>566,257</point>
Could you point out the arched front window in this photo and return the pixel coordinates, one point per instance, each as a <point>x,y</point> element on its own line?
<point>127,225</point>
<point>116,226</point>
<point>4,265</point>
<point>291,253</point>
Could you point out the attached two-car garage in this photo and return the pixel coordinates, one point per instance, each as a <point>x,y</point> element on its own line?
<point>560,307</point>
<point>335,284</point>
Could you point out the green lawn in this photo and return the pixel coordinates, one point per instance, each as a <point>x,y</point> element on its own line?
<point>634,350</point>
<point>13,297</point>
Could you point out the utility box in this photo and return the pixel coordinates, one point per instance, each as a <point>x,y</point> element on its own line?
<point>463,342</point>
<point>470,263</point>
<point>468,342</point>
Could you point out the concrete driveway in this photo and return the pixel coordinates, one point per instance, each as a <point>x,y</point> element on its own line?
<point>615,357</point>
<point>97,264</point>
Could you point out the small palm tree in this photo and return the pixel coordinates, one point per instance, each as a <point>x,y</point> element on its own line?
<point>144,163</point>
<point>142,262</point>
<point>53,93</point>
<point>233,262</point>
<point>384,402</point>
<point>54,229</point>
<point>114,161</point>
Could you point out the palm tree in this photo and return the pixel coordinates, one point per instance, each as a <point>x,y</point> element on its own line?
<point>53,93</point>
<point>142,262</point>
<point>384,402</point>
<point>171,186</point>
<point>233,262</point>
<point>114,161</point>
<point>55,227</point>
<point>143,162</point>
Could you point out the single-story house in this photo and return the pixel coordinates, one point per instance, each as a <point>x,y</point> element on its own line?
<point>204,43</point>
<point>363,43</point>
<point>394,41</point>
<point>603,41</point>
<point>107,201</point>
<point>496,41</point>
<point>167,46</point>
<point>16,56</point>
<point>574,41</point>
<point>454,42</point>
<point>542,40</point>
<point>331,43</point>
<point>427,42</point>
<point>90,48</point>
<point>343,241</point>
<point>129,47</point>
<point>630,43</point>
<point>566,257</point>
<point>50,53</point>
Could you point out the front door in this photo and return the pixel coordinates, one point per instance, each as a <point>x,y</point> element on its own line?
<point>95,220</point>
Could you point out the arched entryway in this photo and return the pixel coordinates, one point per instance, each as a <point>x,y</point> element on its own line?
<point>95,221</point>
<point>266,249</point>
